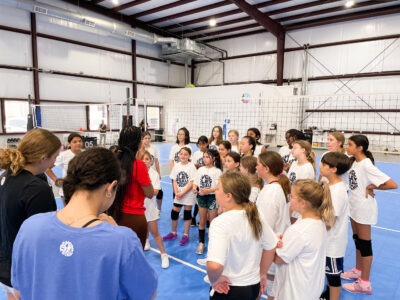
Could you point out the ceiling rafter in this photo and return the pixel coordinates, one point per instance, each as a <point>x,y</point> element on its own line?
<point>129,4</point>
<point>161,8</point>
<point>289,18</point>
<point>223,14</point>
<point>226,31</point>
<point>272,26</point>
<point>190,12</point>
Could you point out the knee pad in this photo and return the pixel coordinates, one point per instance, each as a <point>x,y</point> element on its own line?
<point>355,238</point>
<point>334,280</point>
<point>187,215</point>
<point>160,195</point>
<point>365,247</point>
<point>174,215</point>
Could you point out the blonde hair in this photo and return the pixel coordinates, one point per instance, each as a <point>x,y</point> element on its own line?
<point>339,136</point>
<point>274,162</point>
<point>238,185</point>
<point>34,146</point>
<point>318,195</point>
<point>250,163</point>
<point>237,134</point>
<point>309,154</point>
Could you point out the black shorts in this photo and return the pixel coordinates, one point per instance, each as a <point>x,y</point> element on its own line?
<point>249,292</point>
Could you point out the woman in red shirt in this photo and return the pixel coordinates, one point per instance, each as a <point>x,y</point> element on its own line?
<point>128,208</point>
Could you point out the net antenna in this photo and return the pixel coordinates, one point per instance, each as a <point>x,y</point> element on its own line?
<point>127,119</point>
<point>30,117</point>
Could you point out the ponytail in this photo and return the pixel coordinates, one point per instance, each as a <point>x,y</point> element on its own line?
<point>254,219</point>
<point>326,210</point>
<point>370,156</point>
<point>319,198</point>
<point>285,184</point>
<point>11,160</point>
<point>361,141</point>
<point>238,185</point>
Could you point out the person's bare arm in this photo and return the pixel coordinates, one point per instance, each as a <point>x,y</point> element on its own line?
<point>148,190</point>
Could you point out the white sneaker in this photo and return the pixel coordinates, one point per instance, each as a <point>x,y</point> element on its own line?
<point>147,245</point>
<point>206,279</point>
<point>164,261</point>
<point>202,261</point>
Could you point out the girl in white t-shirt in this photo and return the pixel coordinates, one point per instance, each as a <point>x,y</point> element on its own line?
<point>364,177</point>
<point>248,166</point>
<point>241,245</point>
<point>202,143</point>
<point>332,165</point>
<point>272,200</point>
<point>75,143</point>
<point>232,162</point>
<point>304,166</point>
<point>151,213</point>
<point>300,272</point>
<point>182,140</point>
<point>204,186</point>
<point>146,146</point>
<point>285,151</point>
<point>256,134</point>
<point>182,176</point>
<point>247,146</point>
<point>216,138</point>
<point>233,137</point>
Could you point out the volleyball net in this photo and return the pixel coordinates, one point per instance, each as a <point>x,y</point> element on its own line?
<point>375,115</point>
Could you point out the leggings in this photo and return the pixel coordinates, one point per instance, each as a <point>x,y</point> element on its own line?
<point>137,223</point>
<point>249,292</point>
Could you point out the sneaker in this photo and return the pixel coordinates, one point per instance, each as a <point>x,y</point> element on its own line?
<point>164,261</point>
<point>193,224</point>
<point>202,261</point>
<point>352,274</point>
<point>184,240</point>
<point>359,287</point>
<point>170,236</point>
<point>200,248</point>
<point>206,279</point>
<point>147,245</point>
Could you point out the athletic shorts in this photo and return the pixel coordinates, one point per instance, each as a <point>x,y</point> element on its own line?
<point>152,213</point>
<point>334,266</point>
<point>207,201</point>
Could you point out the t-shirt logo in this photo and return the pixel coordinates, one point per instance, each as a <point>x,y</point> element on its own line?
<point>66,248</point>
<point>286,158</point>
<point>214,147</point>
<point>353,180</point>
<point>200,161</point>
<point>182,179</point>
<point>176,159</point>
<point>152,160</point>
<point>292,177</point>
<point>205,182</point>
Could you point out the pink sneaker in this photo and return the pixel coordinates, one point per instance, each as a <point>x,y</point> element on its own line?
<point>359,287</point>
<point>170,236</point>
<point>352,274</point>
<point>184,240</point>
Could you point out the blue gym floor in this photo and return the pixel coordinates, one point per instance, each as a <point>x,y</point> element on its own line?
<point>184,278</point>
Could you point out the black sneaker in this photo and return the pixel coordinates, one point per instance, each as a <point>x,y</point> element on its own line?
<point>193,224</point>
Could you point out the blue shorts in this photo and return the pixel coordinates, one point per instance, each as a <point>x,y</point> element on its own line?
<point>207,201</point>
<point>334,266</point>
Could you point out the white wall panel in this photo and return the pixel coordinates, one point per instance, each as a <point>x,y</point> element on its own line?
<point>159,72</point>
<point>55,55</point>
<point>384,25</point>
<point>248,44</point>
<point>16,84</point>
<point>14,17</point>
<point>81,89</point>
<point>152,94</point>
<point>148,49</point>
<point>15,49</point>
<point>208,73</point>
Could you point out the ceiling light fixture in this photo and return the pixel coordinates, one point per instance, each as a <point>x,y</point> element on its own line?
<point>212,22</point>
<point>349,3</point>
<point>116,2</point>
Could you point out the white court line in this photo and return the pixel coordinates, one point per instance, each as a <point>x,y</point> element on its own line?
<point>166,182</point>
<point>189,264</point>
<point>383,228</point>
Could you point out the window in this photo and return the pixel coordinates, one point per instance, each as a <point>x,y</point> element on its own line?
<point>16,113</point>
<point>153,117</point>
<point>97,113</point>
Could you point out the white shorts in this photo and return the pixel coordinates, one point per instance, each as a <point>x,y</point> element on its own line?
<point>7,289</point>
<point>152,213</point>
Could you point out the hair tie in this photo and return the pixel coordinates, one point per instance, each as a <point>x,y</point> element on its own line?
<point>281,174</point>
<point>322,185</point>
